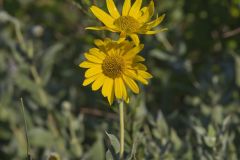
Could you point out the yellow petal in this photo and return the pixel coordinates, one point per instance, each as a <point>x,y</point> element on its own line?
<point>93,71</point>
<point>145,74</point>
<point>122,37</point>
<point>127,100</point>
<point>131,84</point>
<point>112,9</point>
<point>111,98</point>
<point>135,8</point>
<point>130,73</point>
<point>98,82</point>
<point>118,86</point>
<point>99,42</point>
<point>142,80</point>
<point>107,41</point>
<point>135,39</point>
<point>139,59</point>
<point>93,58</point>
<point>126,7</point>
<point>132,53</point>
<point>140,66</point>
<point>148,13</point>
<point>155,32</point>
<point>103,16</point>
<point>156,21</point>
<point>87,64</point>
<point>107,89</point>
<point>151,9</point>
<point>97,53</point>
<point>142,12</point>
<point>99,28</point>
<point>107,85</point>
<point>87,81</point>
<point>124,90</point>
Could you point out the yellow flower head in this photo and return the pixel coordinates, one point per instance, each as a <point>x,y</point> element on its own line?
<point>114,67</point>
<point>133,20</point>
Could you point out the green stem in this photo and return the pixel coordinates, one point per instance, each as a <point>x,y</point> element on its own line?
<point>121,115</point>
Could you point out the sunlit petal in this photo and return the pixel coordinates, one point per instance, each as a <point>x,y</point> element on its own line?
<point>112,9</point>
<point>132,53</point>
<point>93,71</point>
<point>156,31</point>
<point>126,7</point>
<point>98,82</point>
<point>99,28</point>
<point>135,8</point>
<point>118,88</point>
<point>135,38</point>
<point>139,59</point>
<point>88,81</point>
<point>131,84</point>
<point>103,16</point>
<point>93,58</point>
<point>97,53</point>
<point>87,64</point>
<point>156,22</point>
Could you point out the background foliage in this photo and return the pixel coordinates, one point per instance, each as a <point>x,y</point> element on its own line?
<point>190,110</point>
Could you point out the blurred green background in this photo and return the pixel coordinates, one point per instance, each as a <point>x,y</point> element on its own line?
<point>190,110</point>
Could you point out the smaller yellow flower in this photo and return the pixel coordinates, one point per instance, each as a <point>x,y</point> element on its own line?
<point>133,20</point>
<point>114,67</point>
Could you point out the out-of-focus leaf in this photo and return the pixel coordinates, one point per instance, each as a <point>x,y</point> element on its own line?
<point>114,142</point>
<point>49,59</point>
<point>136,141</point>
<point>20,141</point>
<point>97,151</point>
<point>175,139</point>
<point>41,137</point>
<point>217,116</point>
<point>200,130</point>
<point>210,138</point>
<point>109,155</point>
<point>226,122</point>
<point>162,127</point>
<point>162,55</point>
<point>37,92</point>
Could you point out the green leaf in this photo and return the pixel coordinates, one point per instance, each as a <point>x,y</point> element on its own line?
<point>48,61</point>
<point>114,142</point>
<point>199,130</point>
<point>176,140</point>
<point>96,152</point>
<point>41,137</point>
<point>210,139</point>
<point>162,127</point>
<point>136,142</point>
<point>109,155</point>
<point>226,122</point>
<point>211,131</point>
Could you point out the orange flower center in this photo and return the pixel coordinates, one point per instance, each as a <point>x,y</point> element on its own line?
<point>127,24</point>
<point>113,66</point>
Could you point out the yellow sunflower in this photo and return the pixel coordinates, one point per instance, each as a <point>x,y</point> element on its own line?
<point>133,20</point>
<point>115,67</point>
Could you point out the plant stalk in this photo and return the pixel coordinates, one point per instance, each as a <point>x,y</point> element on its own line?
<point>121,115</point>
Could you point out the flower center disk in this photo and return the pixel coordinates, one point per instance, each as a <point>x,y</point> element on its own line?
<point>127,24</point>
<point>113,66</point>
